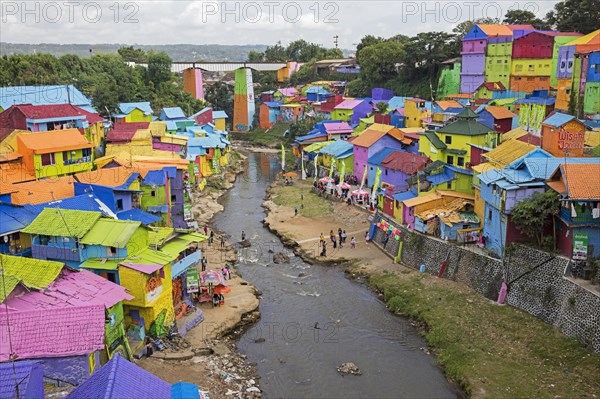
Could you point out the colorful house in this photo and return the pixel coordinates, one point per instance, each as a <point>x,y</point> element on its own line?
<point>284,95</point>
<point>134,112</point>
<point>351,110</point>
<point>43,95</point>
<point>41,118</point>
<point>286,72</point>
<point>450,144</point>
<point>487,90</point>
<point>579,217</point>
<point>534,60</point>
<point>566,64</point>
<point>342,152</point>
<point>209,153</point>
<point>416,112</point>
<point>449,80</point>
<point>563,135</point>
<point>450,220</point>
<point>442,112</point>
<point>291,112</point>
<point>55,153</point>
<point>269,114</point>
<point>497,118</point>
<point>338,130</point>
<point>317,94</point>
<point>220,120</point>
<point>15,218</point>
<point>591,99</point>
<point>70,321</point>
<point>399,166</point>
<point>372,141</point>
<point>203,117</point>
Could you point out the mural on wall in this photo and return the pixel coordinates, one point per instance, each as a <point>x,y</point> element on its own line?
<point>531,117</point>
<point>153,288</point>
<point>568,140</point>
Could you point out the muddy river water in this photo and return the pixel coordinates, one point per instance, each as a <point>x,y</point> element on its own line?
<point>314,319</point>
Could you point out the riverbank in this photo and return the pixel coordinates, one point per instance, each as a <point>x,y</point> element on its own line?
<point>490,350</point>
<point>207,355</point>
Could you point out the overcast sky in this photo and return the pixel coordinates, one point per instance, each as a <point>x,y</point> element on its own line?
<point>244,22</point>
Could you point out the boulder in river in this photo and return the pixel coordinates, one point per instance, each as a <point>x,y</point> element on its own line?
<point>349,368</point>
<point>245,243</point>
<point>280,257</point>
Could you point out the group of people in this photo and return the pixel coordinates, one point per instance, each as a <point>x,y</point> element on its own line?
<point>339,239</point>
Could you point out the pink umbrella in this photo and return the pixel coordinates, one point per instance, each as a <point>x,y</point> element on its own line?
<point>212,277</point>
<point>326,179</point>
<point>360,193</point>
<point>344,186</point>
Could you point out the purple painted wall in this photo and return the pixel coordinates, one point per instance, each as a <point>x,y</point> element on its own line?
<point>360,111</point>
<point>476,46</point>
<point>362,154</point>
<point>472,73</point>
<point>566,54</point>
<point>157,145</point>
<point>407,217</point>
<point>177,200</point>
<point>56,253</point>
<point>73,369</point>
<point>470,83</point>
<point>394,177</point>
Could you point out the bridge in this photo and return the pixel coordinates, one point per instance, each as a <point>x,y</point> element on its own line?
<point>217,66</point>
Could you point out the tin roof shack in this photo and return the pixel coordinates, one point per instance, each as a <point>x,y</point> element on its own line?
<point>579,189</point>
<point>58,316</point>
<point>448,221</point>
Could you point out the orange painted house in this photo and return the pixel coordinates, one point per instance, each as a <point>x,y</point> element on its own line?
<point>563,135</point>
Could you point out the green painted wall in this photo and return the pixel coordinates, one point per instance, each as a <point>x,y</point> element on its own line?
<point>449,81</point>
<point>591,102</point>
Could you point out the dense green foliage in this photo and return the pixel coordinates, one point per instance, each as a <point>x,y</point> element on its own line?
<point>575,15</point>
<point>106,78</point>
<point>532,216</point>
<point>298,50</point>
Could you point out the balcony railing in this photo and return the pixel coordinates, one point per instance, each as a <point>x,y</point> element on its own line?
<point>565,214</point>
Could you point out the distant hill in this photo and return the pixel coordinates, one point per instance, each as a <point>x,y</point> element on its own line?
<point>178,52</point>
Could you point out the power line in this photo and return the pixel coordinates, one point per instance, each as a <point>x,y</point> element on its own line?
<point>11,356</point>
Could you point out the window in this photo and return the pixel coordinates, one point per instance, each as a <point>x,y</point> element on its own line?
<point>85,152</point>
<point>173,198</point>
<point>119,205</point>
<point>153,193</point>
<point>65,155</point>
<point>597,68</point>
<point>460,161</point>
<point>48,159</point>
<point>371,168</point>
<point>448,139</point>
<point>386,172</point>
<point>489,214</point>
<point>449,185</point>
<point>450,160</point>
<point>111,251</point>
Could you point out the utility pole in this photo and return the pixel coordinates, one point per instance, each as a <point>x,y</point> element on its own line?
<point>335,40</point>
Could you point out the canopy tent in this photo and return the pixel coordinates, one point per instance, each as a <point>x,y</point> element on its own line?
<point>344,186</point>
<point>327,179</point>
<point>221,289</point>
<point>360,193</point>
<point>290,174</point>
<point>212,277</point>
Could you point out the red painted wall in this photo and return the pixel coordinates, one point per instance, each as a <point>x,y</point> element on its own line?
<point>533,45</point>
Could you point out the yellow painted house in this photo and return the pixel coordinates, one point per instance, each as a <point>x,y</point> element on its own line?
<point>55,153</point>
<point>451,144</point>
<point>134,112</point>
<point>414,112</point>
<point>220,120</point>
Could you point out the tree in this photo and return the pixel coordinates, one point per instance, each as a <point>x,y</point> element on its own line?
<point>159,68</point>
<point>256,56</point>
<point>531,216</point>
<point>524,17</point>
<point>379,62</point>
<point>382,106</point>
<point>575,16</point>
<point>220,97</point>
<point>131,54</point>
<point>276,53</point>
<point>366,41</point>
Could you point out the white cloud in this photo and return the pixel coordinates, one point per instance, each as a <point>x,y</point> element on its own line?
<point>208,22</point>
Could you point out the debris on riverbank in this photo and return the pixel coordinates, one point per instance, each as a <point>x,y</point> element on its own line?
<point>349,368</point>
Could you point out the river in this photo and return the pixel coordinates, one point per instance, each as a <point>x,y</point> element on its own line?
<point>298,360</point>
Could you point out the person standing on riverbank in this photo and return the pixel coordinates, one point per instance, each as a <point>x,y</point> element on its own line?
<point>352,243</point>
<point>243,235</point>
<point>203,262</point>
<point>211,237</point>
<point>222,242</point>
<point>344,236</point>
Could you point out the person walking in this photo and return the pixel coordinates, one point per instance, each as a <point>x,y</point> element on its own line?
<point>344,236</point>
<point>322,238</point>
<point>340,233</point>
<point>324,251</point>
<point>352,243</point>
<point>366,237</point>
<point>295,211</point>
<point>243,235</point>
<point>211,237</point>
<point>331,235</point>
<point>205,230</point>
<point>222,242</point>
<point>334,241</point>
<point>203,262</point>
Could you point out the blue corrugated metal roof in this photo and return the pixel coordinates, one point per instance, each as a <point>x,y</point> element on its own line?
<point>316,90</point>
<point>143,106</point>
<point>459,170</point>
<point>43,95</point>
<point>404,196</point>
<point>380,155</point>
<point>543,168</point>
<point>155,178</point>
<point>440,178</point>
<point>171,125</point>
<point>396,102</point>
<point>83,202</point>
<point>311,136</point>
<point>272,104</point>
<point>537,100</point>
<point>219,115</point>
<point>558,119</point>
<point>172,113</point>
<point>209,141</point>
<point>138,215</point>
<point>15,217</point>
<point>339,149</point>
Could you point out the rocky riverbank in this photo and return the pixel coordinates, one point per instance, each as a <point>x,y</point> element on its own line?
<point>207,355</point>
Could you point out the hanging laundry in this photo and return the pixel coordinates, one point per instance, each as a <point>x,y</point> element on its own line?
<point>573,212</point>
